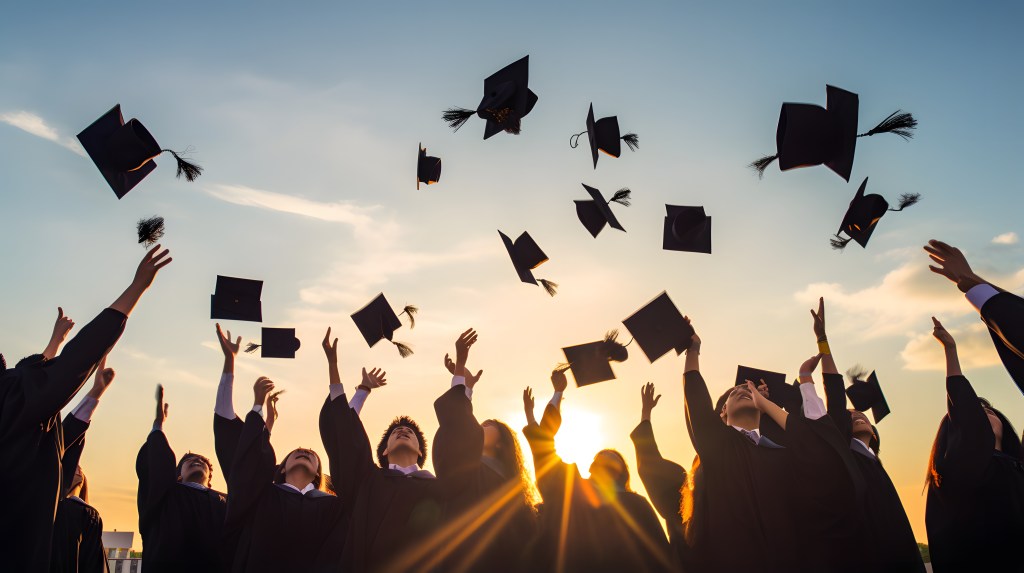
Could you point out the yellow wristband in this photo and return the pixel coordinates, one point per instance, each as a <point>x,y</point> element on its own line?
<point>823,347</point>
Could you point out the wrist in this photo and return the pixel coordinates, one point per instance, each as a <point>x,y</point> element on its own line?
<point>364,387</point>
<point>968,281</point>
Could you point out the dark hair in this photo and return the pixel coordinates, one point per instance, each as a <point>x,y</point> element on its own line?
<point>1010,444</point>
<point>408,423</point>
<point>191,455</point>
<point>623,480</point>
<point>83,492</point>
<point>318,479</point>
<point>31,360</point>
<point>510,456</point>
<point>720,404</point>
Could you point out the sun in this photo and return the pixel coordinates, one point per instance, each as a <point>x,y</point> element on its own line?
<point>579,438</point>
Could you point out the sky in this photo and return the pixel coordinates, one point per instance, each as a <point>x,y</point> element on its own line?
<point>306,119</point>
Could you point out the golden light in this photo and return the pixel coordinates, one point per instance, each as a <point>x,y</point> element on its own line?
<point>579,438</point>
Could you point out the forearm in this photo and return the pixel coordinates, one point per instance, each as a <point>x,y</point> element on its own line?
<point>777,414</point>
<point>52,348</point>
<point>128,299</point>
<point>828,364</point>
<point>332,372</point>
<point>692,363</point>
<point>952,362</point>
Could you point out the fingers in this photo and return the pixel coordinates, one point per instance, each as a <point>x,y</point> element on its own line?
<point>108,376</point>
<point>160,393</point>
<point>656,398</point>
<point>936,323</point>
<point>220,333</point>
<point>60,313</point>
<point>166,408</point>
<point>238,341</point>
<point>478,375</point>
<point>327,337</point>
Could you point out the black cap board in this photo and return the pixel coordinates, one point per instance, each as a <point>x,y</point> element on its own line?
<point>595,213</point>
<point>781,393</point>
<point>378,321</point>
<point>589,363</point>
<point>686,229</point>
<point>863,214</point>
<point>237,299</point>
<point>277,343</point>
<point>604,136</point>
<point>506,100</point>
<point>527,256</point>
<point>428,169</point>
<point>659,327</point>
<point>868,394</point>
<point>124,152</point>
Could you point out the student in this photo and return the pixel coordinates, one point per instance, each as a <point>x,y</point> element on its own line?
<point>77,527</point>
<point>180,518</point>
<point>32,395</point>
<point>594,524</point>
<point>975,509</point>
<point>281,514</point>
<point>495,503</point>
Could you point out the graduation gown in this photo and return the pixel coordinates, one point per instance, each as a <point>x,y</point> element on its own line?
<point>181,525</point>
<point>1004,316</point>
<point>490,503</point>
<point>600,534</point>
<point>743,516</point>
<point>32,439</point>
<point>278,529</point>
<point>975,518</point>
<point>77,527</point>
<point>664,481</point>
<point>396,520</point>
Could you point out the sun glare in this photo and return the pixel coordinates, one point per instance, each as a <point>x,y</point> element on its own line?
<point>579,438</point>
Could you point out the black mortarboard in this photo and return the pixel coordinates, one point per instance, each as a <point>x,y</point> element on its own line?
<point>591,362</point>
<point>526,256</point>
<point>863,214</point>
<point>377,321</point>
<point>506,100</point>
<point>868,394</point>
<point>277,343</point>
<point>596,212</point>
<point>659,327</point>
<point>686,229</point>
<point>604,136</point>
<point>809,134</point>
<point>428,169</point>
<point>237,299</point>
<point>124,152</point>
<point>784,395</point>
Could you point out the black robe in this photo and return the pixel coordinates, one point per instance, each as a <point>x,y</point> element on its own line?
<point>32,440</point>
<point>891,546</point>
<point>77,528</point>
<point>397,520</point>
<point>664,481</point>
<point>278,529</point>
<point>1004,316</point>
<point>975,518</point>
<point>181,525</point>
<point>620,533</point>
<point>490,504</point>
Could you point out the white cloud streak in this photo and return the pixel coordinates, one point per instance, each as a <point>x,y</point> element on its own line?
<point>1010,238</point>
<point>37,126</point>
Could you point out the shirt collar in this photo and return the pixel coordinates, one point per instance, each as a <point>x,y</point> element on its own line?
<point>194,485</point>
<point>309,487</point>
<point>866,448</point>
<point>744,430</point>
<point>405,470</point>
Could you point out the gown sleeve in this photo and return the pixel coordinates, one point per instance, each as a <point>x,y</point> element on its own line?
<point>251,471</point>
<point>663,479</point>
<point>155,467</point>
<point>707,431</point>
<point>348,447</point>
<point>835,405</point>
<point>970,439</point>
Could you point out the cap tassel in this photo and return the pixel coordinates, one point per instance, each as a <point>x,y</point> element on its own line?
<point>621,197</point>
<point>838,243</point>
<point>190,170</point>
<point>632,141</point>
<point>908,199</point>
<point>901,123</point>
<point>251,347</point>
<point>404,350</point>
<point>856,374</point>
<point>613,349</point>
<point>574,140</point>
<point>550,287</point>
<point>150,230</point>
<point>456,117</point>
<point>411,311</point>
<point>761,164</point>
<point>561,367</point>
<point>512,122</point>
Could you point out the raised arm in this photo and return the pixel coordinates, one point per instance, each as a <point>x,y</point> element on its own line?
<point>253,467</point>
<point>227,426</point>
<point>77,422</point>
<point>552,473</point>
<point>459,442</point>
<point>663,479</point>
<point>61,328</point>
<point>707,432</point>
<point>155,467</point>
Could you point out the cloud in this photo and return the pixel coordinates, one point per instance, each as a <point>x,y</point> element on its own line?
<point>974,348</point>
<point>35,125</point>
<point>1010,238</point>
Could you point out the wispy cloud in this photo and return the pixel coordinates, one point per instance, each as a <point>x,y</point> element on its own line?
<point>1010,238</point>
<point>37,126</point>
<point>973,343</point>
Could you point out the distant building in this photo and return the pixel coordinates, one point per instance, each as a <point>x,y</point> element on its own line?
<point>120,557</point>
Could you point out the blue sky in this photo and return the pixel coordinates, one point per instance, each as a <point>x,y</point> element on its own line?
<point>307,118</point>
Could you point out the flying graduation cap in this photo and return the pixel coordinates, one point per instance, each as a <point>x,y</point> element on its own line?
<point>124,152</point>
<point>237,299</point>
<point>863,214</point>
<point>527,256</point>
<point>867,394</point>
<point>604,136</point>
<point>277,343</point>
<point>428,169</point>
<point>809,134</point>
<point>659,327</point>
<point>377,321</point>
<point>150,230</point>
<point>686,229</point>
<point>591,363</point>
<point>507,100</point>
<point>595,213</point>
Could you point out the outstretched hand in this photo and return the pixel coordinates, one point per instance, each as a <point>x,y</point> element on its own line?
<point>759,394</point>
<point>952,264</point>
<point>462,346</point>
<point>471,379</point>
<point>154,260</point>
<point>230,349</point>
<point>103,379</point>
<point>61,327</point>
<point>819,320</point>
<point>942,335</point>
<point>558,380</point>
<point>810,365</point>
<point>528,405</point>
<point>330,349</point>
<point>647,401</point>
<point>272,409</point>
<point>261,389</point>
<point>161,407</point>
<point>694,340</point>
<point>374,378</point>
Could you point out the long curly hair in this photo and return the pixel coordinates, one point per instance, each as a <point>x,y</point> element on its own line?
<point>408,423</point>
<point>510,456</point>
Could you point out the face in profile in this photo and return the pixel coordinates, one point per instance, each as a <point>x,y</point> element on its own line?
<point>740,400</point>
<point>302,458</point>
<point>862,429</point>
<point>492,435</point>
<point>195,469</point>
<point>403,438</point>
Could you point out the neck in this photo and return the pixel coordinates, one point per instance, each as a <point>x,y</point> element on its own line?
<point>999,444</point>
<point>864,437</point>
<point>746,419</point>
<point>403,458</point>
<point>298,477</point>
<point>491,451</point>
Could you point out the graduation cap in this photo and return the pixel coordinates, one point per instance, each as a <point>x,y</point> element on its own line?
<point>124,152</point>
<point>591,362</point>
<point>604,136</point>
<point>377,321</point>
<point>865,394</point>
<point>686,229</point>
<point>659,327</point>
<point>526,256</point>
<point>507,100</point>
<point>150,230</point>
<point>781,393</point>
<point>863,214</point>
<point>595,213</point>
<point>277,343</point>
<point>809,134</point>
<point>237,299</point>
<point>428,169</point>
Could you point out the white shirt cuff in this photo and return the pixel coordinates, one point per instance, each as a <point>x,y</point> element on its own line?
<point>979,295</point>
<point>225,407</point>
<point>813,407</point>
<point>357,401</point>
<point>337,390</point>
<point>556,400</point>
<point>83,411</point>
<point>258,408</point>
<point>461,380</point>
